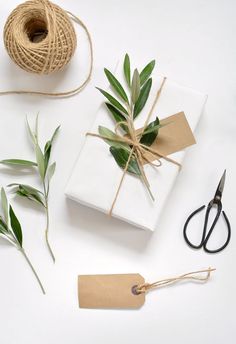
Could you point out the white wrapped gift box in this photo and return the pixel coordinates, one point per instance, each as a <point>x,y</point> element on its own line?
<point>96,176</point>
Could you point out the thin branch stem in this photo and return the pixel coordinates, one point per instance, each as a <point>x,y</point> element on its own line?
<point>131,128</point>
<point>33,269</point>
<point>47,223</point>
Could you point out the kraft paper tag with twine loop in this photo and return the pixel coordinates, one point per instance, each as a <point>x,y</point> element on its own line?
<point>173,137</point>
<point>126,290</point>
<point>40,38</point>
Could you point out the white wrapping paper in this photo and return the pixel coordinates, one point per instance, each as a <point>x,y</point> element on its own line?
<point>96,175</point>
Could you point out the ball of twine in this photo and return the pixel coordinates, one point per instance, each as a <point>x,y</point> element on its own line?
<point>39,37</point>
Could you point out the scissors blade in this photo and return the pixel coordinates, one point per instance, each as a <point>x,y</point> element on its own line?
<point>220,187</point>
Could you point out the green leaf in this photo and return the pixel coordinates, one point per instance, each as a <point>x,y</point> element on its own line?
<point>110,136</point>
<point>3,227</point>
<point>2,230</point>
<point>16,227</point>
<point>29,192</point>
<point>116,85</point>
<point>135,90</point>
<point>40,161</point>
<point>117,115</point>
<point>48,148</point>
<point>121,157</point>
<point>142,99</point>
<point>4,204</point>
<point>55,133</point>
<point>32,135</point>
<point>37,127</point>
<point>47,153</point>
<point>146,72</point>
<point>26,187</point>
<point>113,100</point>
<point>151,132</point>
<point>127,69</point>
<point>51,171</point>
<point>24,194</point>
<point>18,162</point>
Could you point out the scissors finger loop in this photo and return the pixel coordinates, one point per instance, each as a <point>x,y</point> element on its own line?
<point>186,225</point>
<point>227,240</point>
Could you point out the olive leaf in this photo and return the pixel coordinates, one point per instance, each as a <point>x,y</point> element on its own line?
<point>47,153</point>
<point>16,227</point>
<point>3,227</point>
<point>13,234</point>
<point>40,161</point>
<point>29,192</point>
<point>135,89</point>
<point>48,148</point>
<point>51,171</point>
<point>55,133</point>
<point>113,100</point>
<point>117,115</point>
<point>146,72</point>
<point>127,69</point>
<point>43,159</point>
<point>139,90</point>
<point>37,127</point>
<point>151,132</point>
<point>121,157</point>
<point>142,99</point>
<point>18,162</point>
<point>4,204</point>
<point>115,84</point>
<point>33,137</point>
<point>110,138</point>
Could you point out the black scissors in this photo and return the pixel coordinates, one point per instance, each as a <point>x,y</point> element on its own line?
<point>206,234</point>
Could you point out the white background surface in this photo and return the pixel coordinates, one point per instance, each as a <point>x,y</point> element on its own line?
<point>194,44</point>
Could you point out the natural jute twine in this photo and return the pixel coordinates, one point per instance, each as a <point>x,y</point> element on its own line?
<point>138,148</point>
<point>40,38</point>
<point>194,276</point>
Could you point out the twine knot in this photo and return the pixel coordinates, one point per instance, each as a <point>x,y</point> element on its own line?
<point>138,150</point>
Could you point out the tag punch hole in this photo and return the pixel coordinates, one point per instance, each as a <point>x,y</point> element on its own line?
<point>134,290</point>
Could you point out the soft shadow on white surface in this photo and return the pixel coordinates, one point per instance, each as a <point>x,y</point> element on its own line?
<point>99,224</point>
<point>4,242</point>
<point>49,83</point>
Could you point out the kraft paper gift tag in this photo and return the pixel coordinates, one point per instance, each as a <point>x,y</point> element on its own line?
<point>110,291</point>
<point>175,135</point>
<point>125,290</point>
<point>96,176</point>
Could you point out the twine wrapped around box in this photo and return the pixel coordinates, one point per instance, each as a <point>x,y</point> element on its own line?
<point>145,154</point>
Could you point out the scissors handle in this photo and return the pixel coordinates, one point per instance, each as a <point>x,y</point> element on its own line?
<point>186,226</point>
<point>206,235</point>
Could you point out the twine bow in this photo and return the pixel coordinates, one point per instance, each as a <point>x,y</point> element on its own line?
<point>138,149</point>
<point>144,288</point>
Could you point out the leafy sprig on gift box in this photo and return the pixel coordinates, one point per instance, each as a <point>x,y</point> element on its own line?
<point>124,111</point>
<point>45,171</point>
<point>10,230</point>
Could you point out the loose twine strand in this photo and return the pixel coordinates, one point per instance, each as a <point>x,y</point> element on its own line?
<point>51,50</point>
<point>138,149</point>
<point>144,288</point>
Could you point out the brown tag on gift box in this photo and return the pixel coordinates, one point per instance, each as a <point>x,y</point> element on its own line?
<point>173,137</point>
<point>110,291</point>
